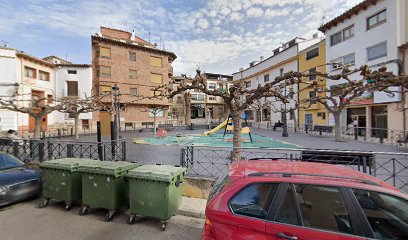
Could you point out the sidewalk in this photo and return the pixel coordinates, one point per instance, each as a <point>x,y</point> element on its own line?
<point>193,207</point>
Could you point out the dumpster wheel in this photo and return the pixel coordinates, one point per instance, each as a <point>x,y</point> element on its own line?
<point>44,203</point>
<point>164,225</point>
<point>109,215</point>
<point>68,206</point>
<point>132,219</point>
<point>83,210</point>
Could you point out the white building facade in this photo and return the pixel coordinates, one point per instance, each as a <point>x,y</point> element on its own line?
<point>369,34</point>
<point>283,60</point>
<point>27,76</point>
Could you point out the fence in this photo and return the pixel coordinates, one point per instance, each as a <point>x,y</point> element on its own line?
<point>48,149</point>
<point>373,135</point>
<point>215,161</point>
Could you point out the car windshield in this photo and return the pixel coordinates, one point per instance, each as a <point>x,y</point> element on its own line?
<point>8,161</point>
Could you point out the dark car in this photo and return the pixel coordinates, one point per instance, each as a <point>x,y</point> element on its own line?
<point>17,182</point>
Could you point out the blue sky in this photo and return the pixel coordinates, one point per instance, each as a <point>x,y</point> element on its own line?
<point>216,35</point>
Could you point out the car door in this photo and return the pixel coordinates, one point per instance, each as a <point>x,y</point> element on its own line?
<point>313,212</point>
<point>249,208</point>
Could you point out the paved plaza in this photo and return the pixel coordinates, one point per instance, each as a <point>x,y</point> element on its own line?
<point>170,154</point>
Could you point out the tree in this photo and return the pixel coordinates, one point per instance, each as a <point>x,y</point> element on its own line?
<point>339,96</point>
<point>77,106</point>
<point>35,106</point>
<point>155,111</point>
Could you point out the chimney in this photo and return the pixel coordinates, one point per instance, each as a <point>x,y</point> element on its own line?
<point>315,35</point>
<point>132,38</point>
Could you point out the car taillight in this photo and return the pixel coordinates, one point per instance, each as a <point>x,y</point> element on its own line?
<point>208,230</point>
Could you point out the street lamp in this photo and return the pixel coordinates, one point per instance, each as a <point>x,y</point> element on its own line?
<point>285,119</point>
<point>116,106</point>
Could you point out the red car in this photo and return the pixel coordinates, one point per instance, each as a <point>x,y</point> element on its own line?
<point>268,200</point>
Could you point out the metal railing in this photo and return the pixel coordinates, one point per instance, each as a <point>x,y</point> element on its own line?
<point>39,150</point>
<point>385,136</point>
<point>215,161</point>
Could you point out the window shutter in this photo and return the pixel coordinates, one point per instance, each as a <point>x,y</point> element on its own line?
<point>156,78</point>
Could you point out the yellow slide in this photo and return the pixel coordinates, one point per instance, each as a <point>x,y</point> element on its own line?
<point>212,131</point>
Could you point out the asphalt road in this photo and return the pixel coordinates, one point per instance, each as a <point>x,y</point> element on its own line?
<point>26,221</point>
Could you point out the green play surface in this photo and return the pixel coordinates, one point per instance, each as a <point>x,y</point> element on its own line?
<point>217,140</point>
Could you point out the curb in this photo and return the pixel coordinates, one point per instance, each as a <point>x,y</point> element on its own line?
<point>191,214</point>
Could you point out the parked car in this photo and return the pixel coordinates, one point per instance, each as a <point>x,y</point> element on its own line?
<point>17,182</point>
<point>268,200</point>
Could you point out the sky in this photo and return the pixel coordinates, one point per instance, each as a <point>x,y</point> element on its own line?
<point>218,36</point>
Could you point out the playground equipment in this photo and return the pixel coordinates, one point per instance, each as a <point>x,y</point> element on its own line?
<point>228,126</point>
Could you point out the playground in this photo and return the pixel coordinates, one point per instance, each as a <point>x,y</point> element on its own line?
<point>220,136</point>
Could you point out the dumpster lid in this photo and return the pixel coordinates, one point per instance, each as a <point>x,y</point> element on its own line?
<point>163,173</point>
<point>113,168</point>
<point>67,163</point>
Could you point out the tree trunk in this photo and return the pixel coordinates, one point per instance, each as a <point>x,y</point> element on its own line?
<point>337,125</point>
<point>187,102</point>
<point>38,125</point>
<point>237,138</point>
<point>76,126</point>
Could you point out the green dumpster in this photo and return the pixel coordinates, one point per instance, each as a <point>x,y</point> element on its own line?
<point>62,181</point>
<point>104,186</point>
<point>155,191</point>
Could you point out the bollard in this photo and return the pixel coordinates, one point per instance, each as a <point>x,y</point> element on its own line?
<point>41,151</point>
<point>15,149</point>
<point>123,150</point>
<point>381,136</point>
<point>49,148</point>
<point>192,126</point>
<point>306,128</point>
<point>355,133</point>
<point>59,133</point>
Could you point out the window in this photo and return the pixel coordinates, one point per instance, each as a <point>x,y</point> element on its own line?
<point>348,60</point>
<point>71,114</point>
<point>254,200</point>
<point>50,99</point>
<point>321,115</point>
<point>156,78</point>
<point>342,35</point>
<point>320,207</point>
<point>179,99</point>
<point>133,92</point>
<point>72,71</point>
<point>197,97</point>
<point>104,52</point>
<point>156,61</point>
<point>348,32</point>
<point>104,71</point>
<point>158,112</point>
<point>387,215</point>
<point>212,85</point>
<point>336,38</point>
<point>132,56</point>
<point>105,90</point>
<point>266,78</point>
<point>292,115</point>
<point>377,19</point>
<point>248,84</point>
<point>377,51</point>
<point>72,88</point>
<point>30,72</point>
<point>312,97</point>
<point>312,53</point>
<point>154,93</point>
<point>212,98</point>
<point>287,212</point>
<point>132,74</point>
<point>312,73</point>
<point>44,76</point>
<point>219,184</point>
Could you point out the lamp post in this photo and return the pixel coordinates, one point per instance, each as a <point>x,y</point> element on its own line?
<point>285,119</point>
<point>116,106</point>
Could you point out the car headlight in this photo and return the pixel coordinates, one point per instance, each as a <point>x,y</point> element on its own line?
<point>3,190</point>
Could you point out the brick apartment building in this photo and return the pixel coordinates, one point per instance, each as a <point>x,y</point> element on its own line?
<point>136,66</point>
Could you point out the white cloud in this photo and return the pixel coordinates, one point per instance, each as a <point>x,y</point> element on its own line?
<point>203,23</point>
<point>270,13</point>
<point>255,12</point>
